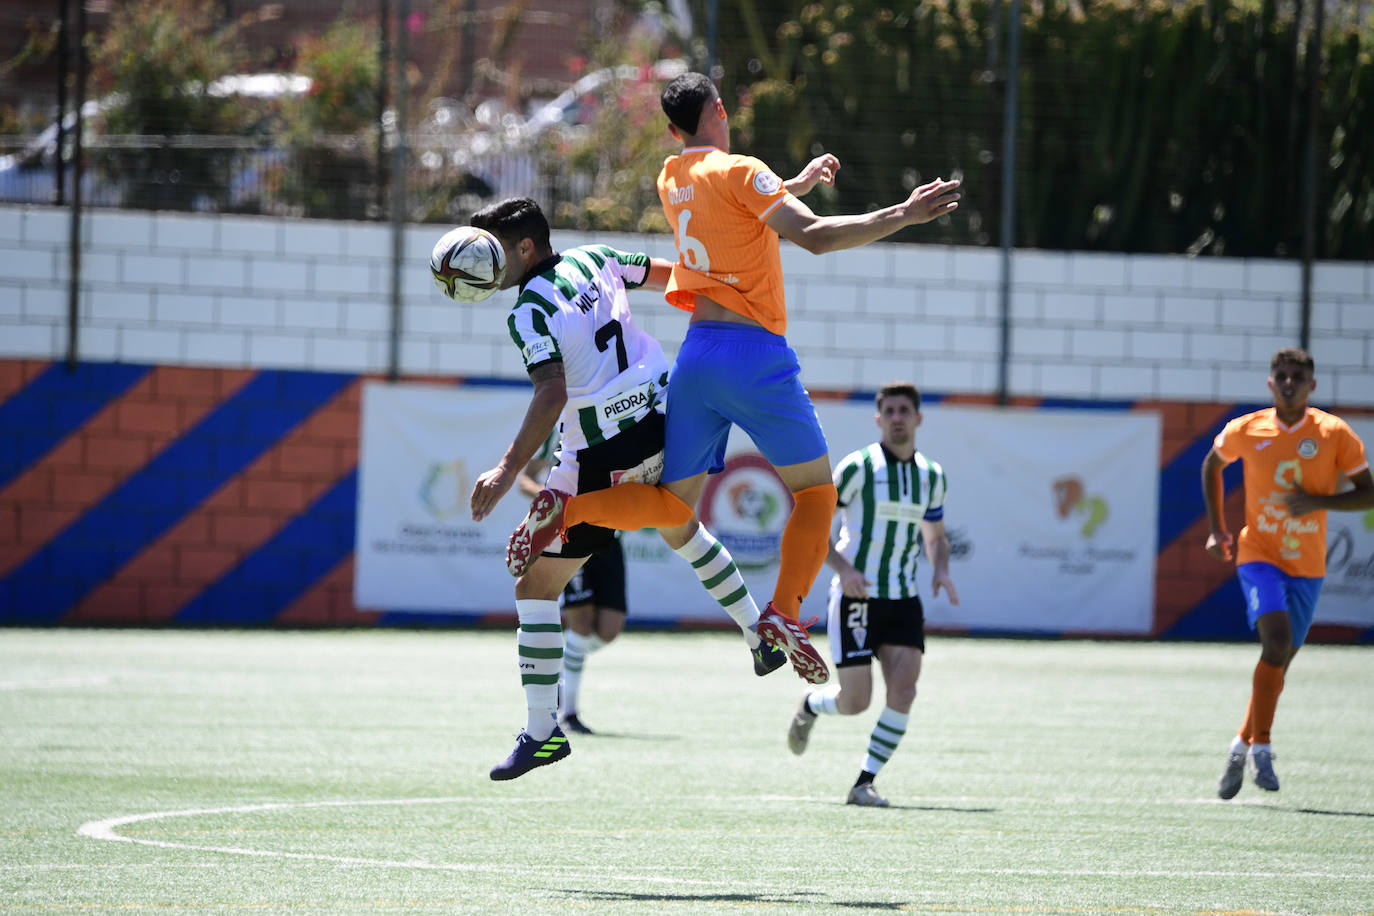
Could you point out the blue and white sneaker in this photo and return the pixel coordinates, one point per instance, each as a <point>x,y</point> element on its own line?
<point>530,753</point>
<point>1262,764</point>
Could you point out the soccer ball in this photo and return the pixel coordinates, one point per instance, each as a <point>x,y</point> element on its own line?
<point>467,264</point>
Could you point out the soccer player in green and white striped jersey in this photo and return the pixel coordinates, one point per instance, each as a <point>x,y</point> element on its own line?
<point>600,379</point>
<point>891,507</point>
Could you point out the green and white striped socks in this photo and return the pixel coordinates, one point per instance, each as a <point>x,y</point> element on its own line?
<point>576,648</point>
<point>539,642</point>
<point>720,577</point>
<point>887,734</point>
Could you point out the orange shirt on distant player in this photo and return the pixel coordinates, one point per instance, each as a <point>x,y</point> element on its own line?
<point>1313,454</point>
<point>716,203</point>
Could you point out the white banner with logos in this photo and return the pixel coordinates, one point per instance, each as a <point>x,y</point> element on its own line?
<point>1347,595</point>
<point>421,448</point>
<point>1052,513</point>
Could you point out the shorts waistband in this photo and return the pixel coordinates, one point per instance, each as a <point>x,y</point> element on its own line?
<point>728,329</point>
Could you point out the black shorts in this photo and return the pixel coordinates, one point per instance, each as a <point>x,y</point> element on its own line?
<point>858,626</point>
<point>636,446</point>
<point>600,581</point>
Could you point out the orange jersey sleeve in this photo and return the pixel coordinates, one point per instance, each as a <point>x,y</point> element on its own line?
<point>1313,454</point>
<point>716,203</point>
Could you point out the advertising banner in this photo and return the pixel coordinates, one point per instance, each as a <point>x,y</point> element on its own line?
<point>421,448</point>
<point>1348,594</point>
<point>1052,514</point>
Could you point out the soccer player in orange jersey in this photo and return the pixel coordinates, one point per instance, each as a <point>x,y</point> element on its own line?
<point>1294,459</point>
<point>735,366</point>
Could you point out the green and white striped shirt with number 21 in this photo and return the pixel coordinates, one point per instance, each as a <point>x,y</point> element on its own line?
<point>882,500</point>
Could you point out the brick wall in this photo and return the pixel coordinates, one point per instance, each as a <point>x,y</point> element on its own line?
<point>243,292</point>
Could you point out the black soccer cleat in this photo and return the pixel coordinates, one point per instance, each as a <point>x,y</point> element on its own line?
<point>530,753</point>
<point>573,724</point>
<point>767,659</point>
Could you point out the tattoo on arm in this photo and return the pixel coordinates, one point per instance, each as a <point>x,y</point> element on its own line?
<point>545,371</point>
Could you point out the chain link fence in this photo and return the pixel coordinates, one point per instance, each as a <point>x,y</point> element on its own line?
<point>1202,126</point>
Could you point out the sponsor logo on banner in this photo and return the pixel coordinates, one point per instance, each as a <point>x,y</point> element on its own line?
<point>1073,502</point>
<point>746,507</point>
<point>444,490</point>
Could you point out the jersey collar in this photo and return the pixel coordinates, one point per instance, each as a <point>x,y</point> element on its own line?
<point>543,266</point>
<point>1296,426</point>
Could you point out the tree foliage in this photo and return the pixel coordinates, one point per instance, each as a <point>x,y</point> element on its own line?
<point>154,68</point>
<point>1155,126</point>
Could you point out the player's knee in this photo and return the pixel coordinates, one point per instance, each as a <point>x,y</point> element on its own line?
<point>850,705</point>
<point>677,512</point>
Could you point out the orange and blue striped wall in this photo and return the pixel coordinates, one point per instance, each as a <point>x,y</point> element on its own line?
<point>160,495</point>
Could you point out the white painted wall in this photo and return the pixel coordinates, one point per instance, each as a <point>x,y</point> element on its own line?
<point>212,290</point>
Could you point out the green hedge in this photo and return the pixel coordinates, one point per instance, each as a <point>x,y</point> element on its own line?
<point>1144,126</point>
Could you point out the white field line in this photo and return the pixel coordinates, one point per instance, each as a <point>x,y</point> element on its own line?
<point>106,830</point>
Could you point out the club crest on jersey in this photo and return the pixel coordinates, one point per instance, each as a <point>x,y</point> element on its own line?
<point>765,182</point>
<point>1307,448</point>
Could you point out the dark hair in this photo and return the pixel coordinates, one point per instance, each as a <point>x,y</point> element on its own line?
<point>684,98</point>
<point>898,389</point>
<point>513,219</point>
<point>1296,355</point>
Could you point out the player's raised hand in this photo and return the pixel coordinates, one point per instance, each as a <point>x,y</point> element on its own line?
<point>820,170</point>
<point>1219,544</point>
<point>933,199</point>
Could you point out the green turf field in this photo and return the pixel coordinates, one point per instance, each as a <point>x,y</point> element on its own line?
<point>346,772</point>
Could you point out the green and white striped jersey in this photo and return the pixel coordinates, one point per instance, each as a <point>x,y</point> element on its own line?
<point>882,499</point>
<point>576,311</point>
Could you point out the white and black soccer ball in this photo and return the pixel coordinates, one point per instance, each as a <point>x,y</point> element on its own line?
<point>467,264</point>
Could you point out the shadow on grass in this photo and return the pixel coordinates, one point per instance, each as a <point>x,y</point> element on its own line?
<point>797,897</point>
<point>1321,811</point>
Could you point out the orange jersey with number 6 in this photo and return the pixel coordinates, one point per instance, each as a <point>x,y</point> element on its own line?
<point>1312,454</point>
<point>716,203</point>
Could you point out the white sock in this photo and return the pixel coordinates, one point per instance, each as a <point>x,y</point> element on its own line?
<point>1256,748</point>
<point>539,642</point>
<point>887,734</point>
<point>1239,745</point>
<point>595,643</point>
<point>575,652</point>
<point>720,577</point>
<point>823,702</point>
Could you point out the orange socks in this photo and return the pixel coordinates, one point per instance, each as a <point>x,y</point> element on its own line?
<point>629,507</point>
<point>1264,700</point>
<point>805,542</point>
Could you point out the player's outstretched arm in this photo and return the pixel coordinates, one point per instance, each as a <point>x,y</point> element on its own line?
<point>796,222</point>
<point>547,402</point>
<point>659,272</point>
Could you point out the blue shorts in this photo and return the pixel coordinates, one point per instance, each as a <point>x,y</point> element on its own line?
<point>1268,588</point>
<point>737,373</point>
